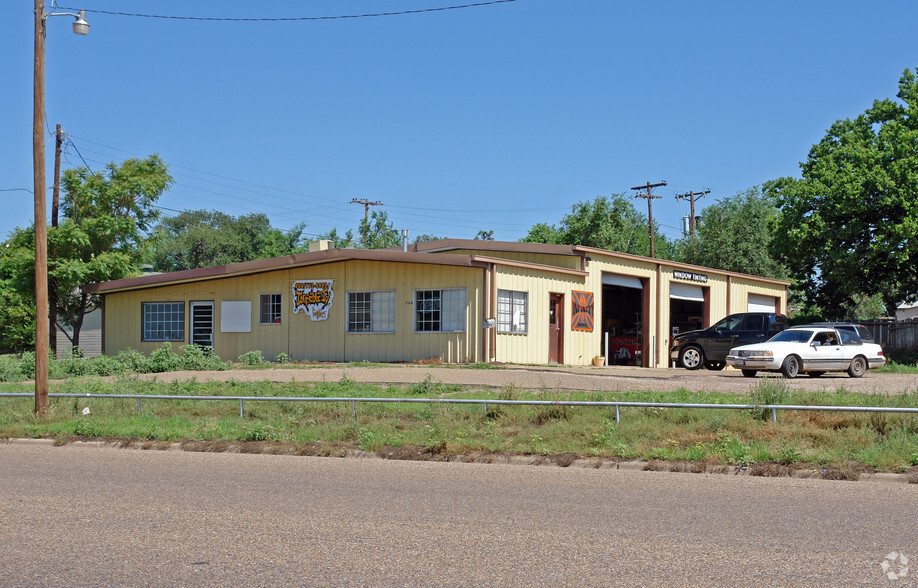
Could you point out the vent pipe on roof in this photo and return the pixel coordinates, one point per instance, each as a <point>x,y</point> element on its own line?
<point>405,240</point>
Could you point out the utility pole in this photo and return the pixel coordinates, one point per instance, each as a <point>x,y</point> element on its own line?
<point>691,196</point>
<point>648,186</point>
<point>41,235</point>
<point>366,216</point>
<point>366,207</point>
<point>55,204</point>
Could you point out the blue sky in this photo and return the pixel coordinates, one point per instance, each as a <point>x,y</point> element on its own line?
<point>496,117</point>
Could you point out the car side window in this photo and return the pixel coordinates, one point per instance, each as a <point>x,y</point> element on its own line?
<point>731,323</point>
<point>849,338</point>
<point>754,322</point>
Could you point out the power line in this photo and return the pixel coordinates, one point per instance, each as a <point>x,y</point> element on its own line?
<point>296,18</point>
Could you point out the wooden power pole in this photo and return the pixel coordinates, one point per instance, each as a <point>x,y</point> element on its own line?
<point>648,186</point>
<point>55,204</point>
<point>366,207</point>
<point>692,196</point>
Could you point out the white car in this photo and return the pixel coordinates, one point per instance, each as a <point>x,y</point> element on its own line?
<point>813,350</point>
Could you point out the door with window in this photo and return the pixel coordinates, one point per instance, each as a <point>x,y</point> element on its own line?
<point>202,323</point>
<point>556,328</point>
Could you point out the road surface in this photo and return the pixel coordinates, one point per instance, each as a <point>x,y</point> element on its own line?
<point>78,515</point>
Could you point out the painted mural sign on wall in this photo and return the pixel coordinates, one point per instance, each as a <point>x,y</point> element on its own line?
<point>314,297</point>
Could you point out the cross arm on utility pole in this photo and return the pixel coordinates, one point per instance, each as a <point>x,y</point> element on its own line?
<point>691,197</point>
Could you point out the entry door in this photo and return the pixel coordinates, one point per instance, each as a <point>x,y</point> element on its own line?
<point>555,328</point>
<point>202,324</point>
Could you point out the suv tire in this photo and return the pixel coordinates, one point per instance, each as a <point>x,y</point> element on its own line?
<point>691,358</point>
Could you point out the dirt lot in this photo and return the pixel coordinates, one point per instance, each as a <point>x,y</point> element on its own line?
<point>555,378</point>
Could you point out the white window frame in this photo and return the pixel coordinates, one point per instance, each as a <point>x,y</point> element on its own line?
<point>151,311</point>
<point>381,310</point>
<point>449,306</point>
<point>512,312</point>
<point>268,300</point>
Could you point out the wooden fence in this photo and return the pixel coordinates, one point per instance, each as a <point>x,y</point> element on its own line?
<point>896,336</point>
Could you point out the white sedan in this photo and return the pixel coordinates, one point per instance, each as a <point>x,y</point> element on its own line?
<point>811,350</point>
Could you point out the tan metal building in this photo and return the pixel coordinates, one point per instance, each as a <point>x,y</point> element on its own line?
<point>456,300</point>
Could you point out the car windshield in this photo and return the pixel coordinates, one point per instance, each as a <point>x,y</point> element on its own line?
<point>792,336</point>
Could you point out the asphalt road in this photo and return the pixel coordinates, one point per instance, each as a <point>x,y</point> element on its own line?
<point>78,515</point>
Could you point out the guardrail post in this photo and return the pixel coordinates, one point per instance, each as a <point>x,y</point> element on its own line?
<point>618,416</point>
<point>485,405</point>
<point>138,405</point>
<point>774,415</point>
<point>354,408</point>
<point>240,408</point>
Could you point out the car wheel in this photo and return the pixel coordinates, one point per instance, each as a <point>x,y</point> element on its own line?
<point>692,358</point>
<point>814,374</point>
<point>715,365</point>
<point>791,367</point>
<point>750,373</point>
<point>858,367</point>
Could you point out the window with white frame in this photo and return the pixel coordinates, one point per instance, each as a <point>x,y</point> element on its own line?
<point>371,312</point>
<point>269,309</point>
<point>440,310</point>
<point>163,321</point>
<point>512,311</point>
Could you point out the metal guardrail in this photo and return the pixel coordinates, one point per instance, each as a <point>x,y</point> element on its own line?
<point>774,408</point>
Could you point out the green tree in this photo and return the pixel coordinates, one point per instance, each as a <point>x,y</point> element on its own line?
<point>17,299</point>
<point>340,241</point>
<point>377,232</point>
<point>204,238</point>
<point>848,226</point>
<point>606,222</point>
<point>734,235</point>
<point>101,238</point>
<point>485,235</point>
<point>426,238</point>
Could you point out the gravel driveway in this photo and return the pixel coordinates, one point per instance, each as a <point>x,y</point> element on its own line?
<point>555,378</point>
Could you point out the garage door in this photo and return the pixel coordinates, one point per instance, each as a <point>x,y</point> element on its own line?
<point>686,292</point>
<point>620,280</point>
<point>758,303</point>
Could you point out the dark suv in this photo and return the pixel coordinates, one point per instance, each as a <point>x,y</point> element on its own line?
<point>709,347</point>
<point>860,330</point>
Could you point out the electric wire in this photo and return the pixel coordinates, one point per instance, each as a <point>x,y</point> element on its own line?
<point>295,18</point>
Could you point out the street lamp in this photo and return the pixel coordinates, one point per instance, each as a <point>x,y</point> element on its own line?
<point>42,321</point>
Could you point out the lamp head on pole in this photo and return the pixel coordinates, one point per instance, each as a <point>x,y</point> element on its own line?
<point>80,26</point>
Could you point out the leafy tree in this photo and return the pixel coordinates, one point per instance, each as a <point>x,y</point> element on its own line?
<point>734,235</point>
<point>485,235</point>
<point>204,238</point>
<point>606,222</point>
<point>103,235</point>
<point>426,238</point>
<point>340,241</point>
<point>848,226</point>
<point>17,320</point>
<point>101,238</point>
<point>377,232</point>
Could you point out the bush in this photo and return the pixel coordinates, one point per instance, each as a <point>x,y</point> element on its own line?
<point>195,357</point>
<point>282,358</point>
<point>768,391</point>
<point>27,364</point>
<point>133,360</point>
<point>164,360</point>
<point>253,357</point>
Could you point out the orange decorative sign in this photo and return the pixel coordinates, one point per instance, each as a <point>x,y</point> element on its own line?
<point>582,314</point>
<point>314,297</point>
